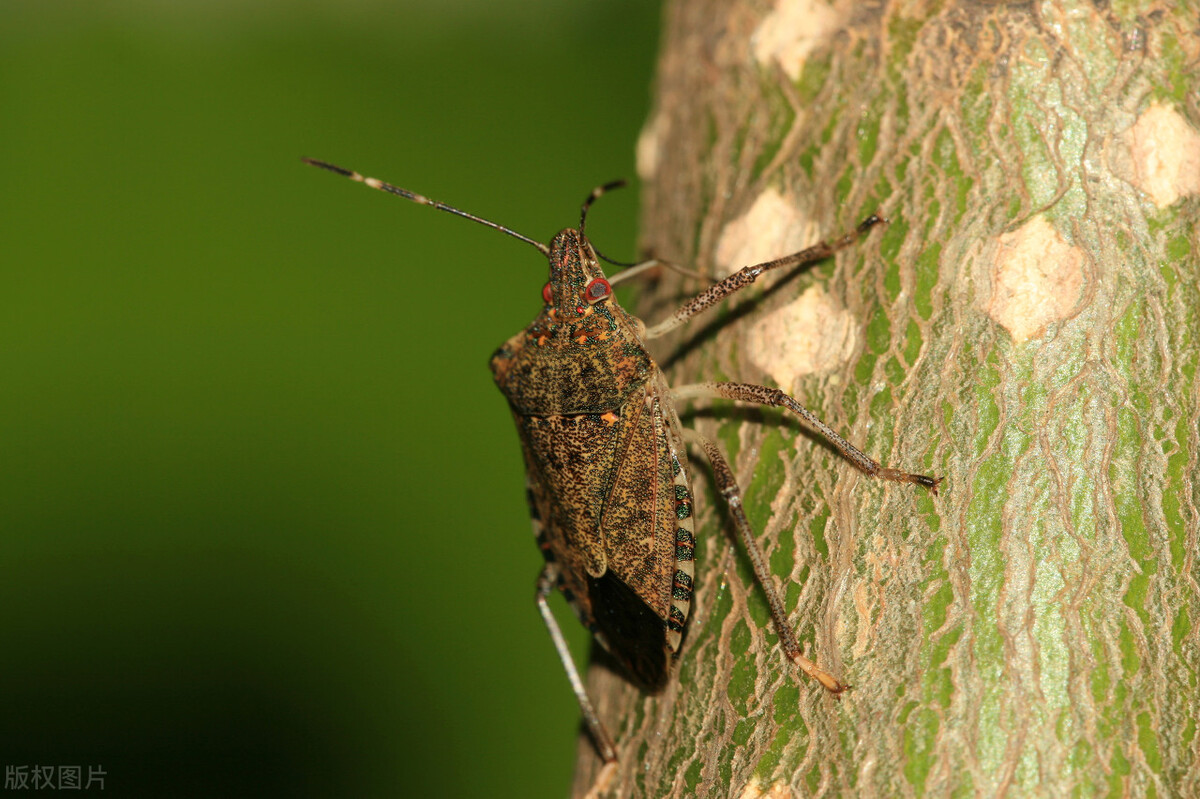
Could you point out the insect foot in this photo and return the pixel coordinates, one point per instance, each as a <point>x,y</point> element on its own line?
<point>606,461</point>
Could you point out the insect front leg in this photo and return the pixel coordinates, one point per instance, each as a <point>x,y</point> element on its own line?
<point>763,395</point>
<point>733,498</point>
<point>748,274</point>
<point>604,743</point>
<point>645,266</point>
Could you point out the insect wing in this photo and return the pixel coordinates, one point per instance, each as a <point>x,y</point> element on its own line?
<point>573,458</point>
<point>641,606</point>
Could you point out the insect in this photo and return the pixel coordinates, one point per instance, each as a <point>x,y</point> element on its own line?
<point>606,460</point>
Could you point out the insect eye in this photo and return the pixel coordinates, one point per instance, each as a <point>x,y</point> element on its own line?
<point>597,290</point>
<point>547,294</point>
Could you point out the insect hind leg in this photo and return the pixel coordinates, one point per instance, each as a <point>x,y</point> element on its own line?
<point>728,486</point>
<point>604,743</point>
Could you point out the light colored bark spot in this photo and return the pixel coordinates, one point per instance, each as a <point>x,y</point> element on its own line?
<point>1036,279</point>
<point>649,146</point>
<point>770,229</point>
<point>1165,152</point>
<point>810,335</point>
<point>864,608</point>
<point>756,790</point>
<point>793,30</point>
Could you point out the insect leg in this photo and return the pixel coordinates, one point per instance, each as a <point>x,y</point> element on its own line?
<point>733,498</point>
<point>748,274</point>
<point>637,269</point>
<point>763,395</point>
<point>608,752</point>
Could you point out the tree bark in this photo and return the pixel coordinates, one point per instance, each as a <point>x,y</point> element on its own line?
<point>1025,326</point>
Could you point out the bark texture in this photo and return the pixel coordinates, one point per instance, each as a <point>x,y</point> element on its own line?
<point>1026,326</point>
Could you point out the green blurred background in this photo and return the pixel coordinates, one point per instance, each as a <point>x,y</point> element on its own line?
<point>263,519</point>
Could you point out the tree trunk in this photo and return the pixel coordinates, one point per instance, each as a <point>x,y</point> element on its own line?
<point>1025,326</point>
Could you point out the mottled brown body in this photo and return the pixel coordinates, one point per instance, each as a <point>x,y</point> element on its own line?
<point>605,462</point>
<point>606,466</point>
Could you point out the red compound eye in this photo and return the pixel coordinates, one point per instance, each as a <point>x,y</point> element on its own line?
<point>547,294</point>
<point>597,290</point>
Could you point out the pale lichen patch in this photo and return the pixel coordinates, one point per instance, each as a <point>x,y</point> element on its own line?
<point>1036,279</point>
<point>1165,155</point>
<point>756,790</point>
<point>649,146</point>
<point>810,335</point>
<point>792,31</point>
<point>770,229</point>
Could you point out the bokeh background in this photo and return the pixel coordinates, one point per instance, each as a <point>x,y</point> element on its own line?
<point>263,525</point>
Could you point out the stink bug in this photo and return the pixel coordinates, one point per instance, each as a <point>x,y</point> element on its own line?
<point>606,464</point>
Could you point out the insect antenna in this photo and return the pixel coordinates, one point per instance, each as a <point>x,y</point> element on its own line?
<point>596,194</point>
<point>375,183</point>
<point>614,261</point>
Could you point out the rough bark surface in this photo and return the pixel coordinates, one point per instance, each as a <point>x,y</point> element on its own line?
<point>1026,326</point>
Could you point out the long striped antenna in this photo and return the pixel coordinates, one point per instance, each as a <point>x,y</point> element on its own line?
<point>423,200</point>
